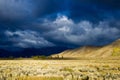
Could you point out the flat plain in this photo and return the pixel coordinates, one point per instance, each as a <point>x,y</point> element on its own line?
<point>82,69</point>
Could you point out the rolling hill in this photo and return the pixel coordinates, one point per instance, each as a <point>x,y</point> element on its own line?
<point>110,50</point>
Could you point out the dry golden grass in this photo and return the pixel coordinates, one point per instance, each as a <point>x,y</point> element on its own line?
<point>39,78</point>
<point>84,69</point>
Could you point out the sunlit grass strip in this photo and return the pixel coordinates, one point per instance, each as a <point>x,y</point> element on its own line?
<point>39,78</point>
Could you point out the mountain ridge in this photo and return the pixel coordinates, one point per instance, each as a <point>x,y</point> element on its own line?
<point>92,51</point>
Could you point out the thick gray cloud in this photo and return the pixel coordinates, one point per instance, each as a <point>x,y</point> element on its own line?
<point>26,39</point>
<point>63,31</point>
<point>33,23</point>
<point>23,10</point>
<point>16,9</point>
<point>82,33</point>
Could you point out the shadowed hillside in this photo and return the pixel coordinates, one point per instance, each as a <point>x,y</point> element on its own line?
<point>110,50</point>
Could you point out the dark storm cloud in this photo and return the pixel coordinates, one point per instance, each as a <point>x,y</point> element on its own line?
<point>108,4</point>
<point>94,9</point>
<point>25,10</point>
<point>42,23</point>
<point>84,32</point>
<point>26,39</point>
<point>15,9</point>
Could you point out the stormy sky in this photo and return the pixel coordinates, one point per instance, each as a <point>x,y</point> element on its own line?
<point>67,23</point>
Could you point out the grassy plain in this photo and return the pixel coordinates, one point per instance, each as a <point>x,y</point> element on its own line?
<point>82,69</point>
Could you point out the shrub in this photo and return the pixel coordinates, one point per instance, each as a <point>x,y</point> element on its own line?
<point>116,51</point>
<point>38,57</point>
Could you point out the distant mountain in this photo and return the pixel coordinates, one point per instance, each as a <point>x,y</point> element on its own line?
<point>112,49</point>
<point>28,52</point>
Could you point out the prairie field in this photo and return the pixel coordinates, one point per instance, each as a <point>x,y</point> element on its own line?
<point>82,69</point>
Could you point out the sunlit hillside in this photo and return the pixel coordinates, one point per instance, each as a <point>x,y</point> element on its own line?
<point>110,50</point>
